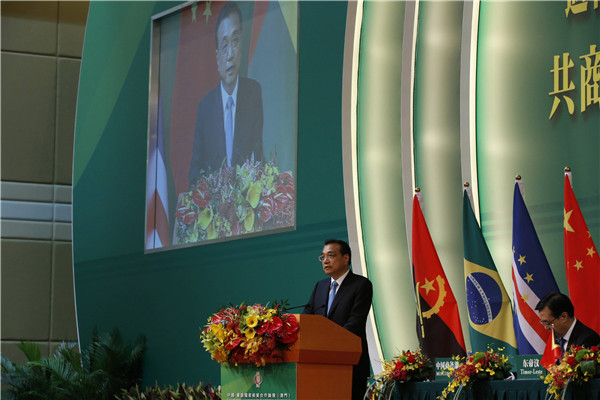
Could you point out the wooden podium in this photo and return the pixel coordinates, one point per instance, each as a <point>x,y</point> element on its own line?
<point>318,366</point>
<point>324,355</point>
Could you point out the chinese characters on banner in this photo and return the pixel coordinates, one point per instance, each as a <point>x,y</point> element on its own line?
<point>564,88</point>
<point>579,6</point>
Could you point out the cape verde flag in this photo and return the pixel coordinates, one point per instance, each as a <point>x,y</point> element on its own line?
<point>490,314</point>
<point>532,279</point>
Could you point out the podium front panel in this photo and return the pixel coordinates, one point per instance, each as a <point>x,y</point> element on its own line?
<point>275,381</point>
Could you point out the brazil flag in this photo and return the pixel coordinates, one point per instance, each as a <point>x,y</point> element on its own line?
<point>490,313</point>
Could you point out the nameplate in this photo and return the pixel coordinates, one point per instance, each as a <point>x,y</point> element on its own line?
<point>441,368</point>
<point>529,367</point>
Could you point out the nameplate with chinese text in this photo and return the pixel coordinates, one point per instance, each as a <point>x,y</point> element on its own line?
<point>529,367</point>
<point>441,368</point>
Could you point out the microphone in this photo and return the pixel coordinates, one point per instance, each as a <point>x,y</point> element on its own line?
<point>296,307</point>
<point>306,305</point>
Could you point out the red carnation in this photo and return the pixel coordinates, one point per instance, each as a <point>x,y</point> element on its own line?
<point>232,344</point>
<point>186,214</point>
<point>289,330</point>
<point>271,326</point>
<point>201,196</point>
<point>269,344</point>
<point>218,318</point>
<point>265,211</point>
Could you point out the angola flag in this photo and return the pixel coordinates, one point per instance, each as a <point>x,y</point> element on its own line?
<point>582,262</point>
<point>490,314</point>
<point>438,321</point>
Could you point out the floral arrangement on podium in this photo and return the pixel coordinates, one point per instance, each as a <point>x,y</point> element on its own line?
<point>408,366</point>
<point>233,201</point>
<point>477,366</point>
<point>249,334</point>
<point>578,365</point>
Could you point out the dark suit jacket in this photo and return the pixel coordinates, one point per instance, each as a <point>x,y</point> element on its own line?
<point>583,336</point>
<point>209,133</point>
<point>350,308</point>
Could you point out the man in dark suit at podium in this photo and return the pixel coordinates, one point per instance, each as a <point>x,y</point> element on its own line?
<point>229,120</point>
<point>557,313</point>
<point>344,298</point>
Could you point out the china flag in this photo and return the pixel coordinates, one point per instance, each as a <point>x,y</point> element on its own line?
<point>438,322</point>
<point>582,262</point>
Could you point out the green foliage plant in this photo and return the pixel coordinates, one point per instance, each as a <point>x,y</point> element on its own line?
<point>99,372</point>
<point>181,392</point>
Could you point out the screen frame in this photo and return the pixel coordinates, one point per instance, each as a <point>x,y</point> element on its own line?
<point>152,137</point>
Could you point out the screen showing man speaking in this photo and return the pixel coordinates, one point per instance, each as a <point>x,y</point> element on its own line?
<point>222,125</point>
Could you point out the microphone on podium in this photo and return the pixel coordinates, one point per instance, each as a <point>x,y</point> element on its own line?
<point>305,305</point>
<point>296,307</point>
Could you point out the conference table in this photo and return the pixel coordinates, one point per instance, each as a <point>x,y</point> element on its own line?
<point>519,389</point>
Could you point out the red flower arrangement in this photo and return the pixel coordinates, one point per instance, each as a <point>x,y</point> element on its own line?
<point>249,334</point>
<point>408,366</point>
<point>232,201</point>
<point>579,364</point>
<point>478,366</point>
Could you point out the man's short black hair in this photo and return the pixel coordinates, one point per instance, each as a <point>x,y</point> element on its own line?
<point>344,247</point>
<point>229,8</point>
<point>557,303</point>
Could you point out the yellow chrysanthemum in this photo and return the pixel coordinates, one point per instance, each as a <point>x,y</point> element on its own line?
<point>205,217</point>
<point>211,232</point>
<point>250,333</point>
<point>251,320</point>
<point>249,220</point>
<point>218,331</point>
<point>253,195</point>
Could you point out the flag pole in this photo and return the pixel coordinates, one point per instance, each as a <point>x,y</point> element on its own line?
<point>568,173</point>
<point>417,295</point>
<point>419,311</point>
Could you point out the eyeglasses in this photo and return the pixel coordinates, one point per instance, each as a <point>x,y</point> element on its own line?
<point>233,44</point>
<point>328,256</point>
<point>547,323</point>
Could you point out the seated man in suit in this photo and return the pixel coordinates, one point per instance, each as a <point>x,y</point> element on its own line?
<point>557,312</point>
<point>344,298</point>
<point>229,120</point>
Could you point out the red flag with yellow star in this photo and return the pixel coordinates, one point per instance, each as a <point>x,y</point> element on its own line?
<point>552,353</point>
<point>582,262</point>
<point>438,322</point>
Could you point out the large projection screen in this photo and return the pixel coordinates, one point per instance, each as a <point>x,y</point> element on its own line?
<point>222,128</point>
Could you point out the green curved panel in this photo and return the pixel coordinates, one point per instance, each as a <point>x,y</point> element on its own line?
<point>437,135</point>
<point>517,45</point>
<point>380,175</point>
